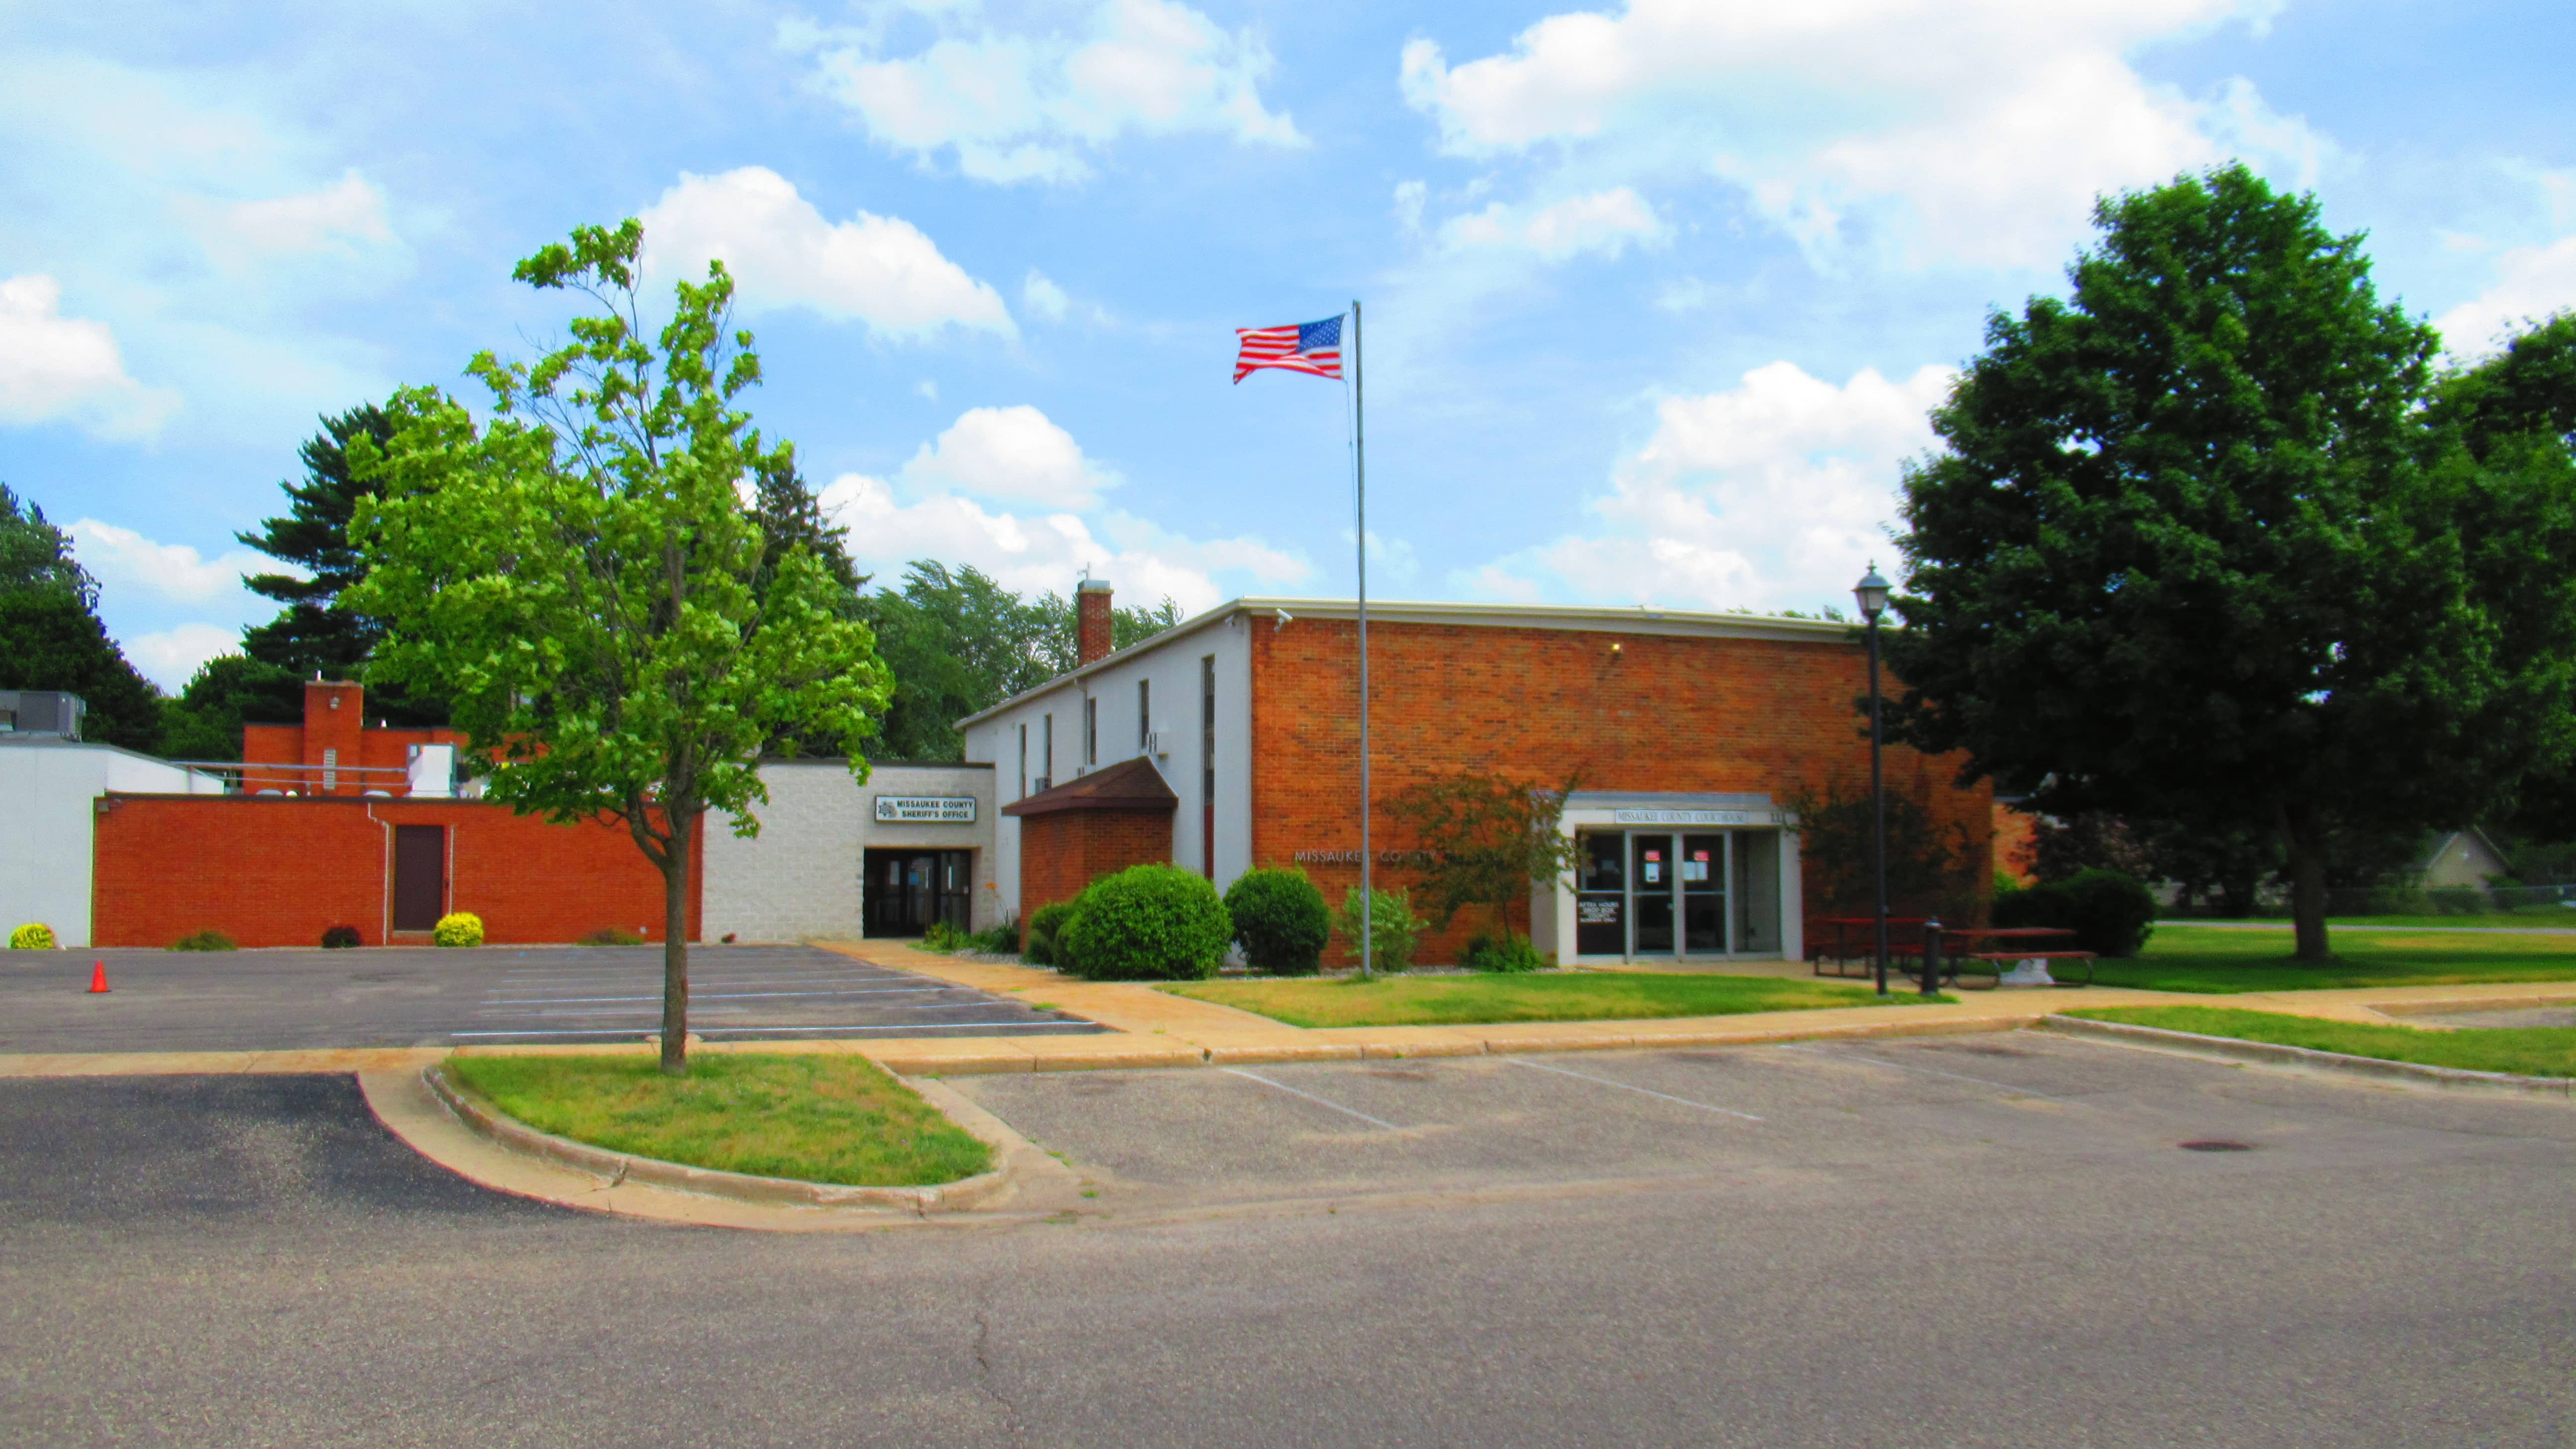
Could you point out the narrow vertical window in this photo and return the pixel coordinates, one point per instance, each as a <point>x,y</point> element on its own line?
<point>1144,716</point>
<point>1046,729</point>
<point>1207,764</point>
<point>1091,731</point>
<point>1024,758</point>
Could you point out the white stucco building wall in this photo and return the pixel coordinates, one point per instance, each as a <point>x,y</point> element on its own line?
<point>801,877</point>
<point>1173,665</point>
<point>52,785</point>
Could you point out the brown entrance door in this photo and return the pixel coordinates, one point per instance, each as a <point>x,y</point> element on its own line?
<point>420,876</point>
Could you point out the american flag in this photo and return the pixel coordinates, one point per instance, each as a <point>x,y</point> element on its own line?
<point>1311,347</point>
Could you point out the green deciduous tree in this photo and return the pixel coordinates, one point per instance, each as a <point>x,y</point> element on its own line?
<point>1488,837</point>
<point>581,580</point>
<point>2193,552</point>
<point>959,642</point>
<point>51,637</point>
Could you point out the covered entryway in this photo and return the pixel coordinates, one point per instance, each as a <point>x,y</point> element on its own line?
<point>905,890</point>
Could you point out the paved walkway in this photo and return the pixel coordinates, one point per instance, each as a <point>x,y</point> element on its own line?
<point>1150,1028</point>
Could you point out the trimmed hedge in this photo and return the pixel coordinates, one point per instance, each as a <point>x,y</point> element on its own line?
<point>1046,929</point>
<point>2110,913</point>
<point>33,936</point>
<point>1147,923</point>
<point>208,939</point>
<point>1280,920</point>
<point>340,938</point>
<point>458,928</point>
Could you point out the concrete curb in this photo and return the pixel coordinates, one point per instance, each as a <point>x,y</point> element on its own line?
<point>2235,1049</point>
<point>619,1167</point>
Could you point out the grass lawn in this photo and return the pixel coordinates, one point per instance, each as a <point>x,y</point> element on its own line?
<point>2530,1051</point>
<point>1579,996</point>
<point>2203,959</point>
<point>2553,918</point>
<point>835,1118</point>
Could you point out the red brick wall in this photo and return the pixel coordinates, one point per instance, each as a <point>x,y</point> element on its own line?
<point>1658,712</point>
<point>275,871</point>
<point>1064,850</point>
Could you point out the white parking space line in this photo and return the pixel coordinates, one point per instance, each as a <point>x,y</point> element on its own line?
<point>1311,1097</point>
<point>730,1027</point>
<point>1623,1086</point>
<point>1927,1071</point>
<point>697,995</point>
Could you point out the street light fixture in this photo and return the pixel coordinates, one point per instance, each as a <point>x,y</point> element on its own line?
<point>1871,593</point>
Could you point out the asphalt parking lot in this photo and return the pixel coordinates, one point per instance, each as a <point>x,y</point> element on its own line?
<point>1980,1241</point>
<point>400,997</point>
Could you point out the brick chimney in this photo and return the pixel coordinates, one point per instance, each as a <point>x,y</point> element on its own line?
<point>1091,620</point>
<point>334,729</point>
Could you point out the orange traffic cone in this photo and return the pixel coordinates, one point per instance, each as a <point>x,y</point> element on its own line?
<point>98,977</point>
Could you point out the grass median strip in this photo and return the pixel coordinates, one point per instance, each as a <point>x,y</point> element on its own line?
<point>2215,961</point>
<point>2531,1051</point>
<point>828,1118</point>
<point>1479,1000</point>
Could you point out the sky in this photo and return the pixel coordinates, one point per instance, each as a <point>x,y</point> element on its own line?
<point>1656,296</point>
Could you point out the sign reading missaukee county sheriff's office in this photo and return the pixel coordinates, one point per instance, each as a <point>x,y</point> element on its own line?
<point>926,809</point>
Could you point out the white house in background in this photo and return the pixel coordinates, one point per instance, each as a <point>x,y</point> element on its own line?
<point>2464,858</point>
<point>51,784</point>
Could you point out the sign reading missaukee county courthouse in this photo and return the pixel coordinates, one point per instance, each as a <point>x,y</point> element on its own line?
<point>926,809</point>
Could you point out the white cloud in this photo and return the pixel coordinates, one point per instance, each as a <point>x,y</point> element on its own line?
<point>334,218</point>
<point>1015,453</point>
<point>58,368</point>
<point>1969,130</point>
<point>1772,494</point>
<point>2531,283</point>
<point>877,269</point>
<point>1605,222</point>
<point>171,657</point>
<point>1043,299</point>
<point>124,559</point>
<point>1027,107</point>
<point>1031,554</point>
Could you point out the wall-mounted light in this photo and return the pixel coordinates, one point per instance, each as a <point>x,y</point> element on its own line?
<point>1615,646</point>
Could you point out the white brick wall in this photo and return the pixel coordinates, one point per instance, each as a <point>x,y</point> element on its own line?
<point>800,877</point>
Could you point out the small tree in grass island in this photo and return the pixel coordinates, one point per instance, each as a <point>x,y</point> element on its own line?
<point>582,581</point>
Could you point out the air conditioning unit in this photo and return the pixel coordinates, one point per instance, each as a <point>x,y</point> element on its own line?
<point>1040,784</point>
<point>1158,744</point>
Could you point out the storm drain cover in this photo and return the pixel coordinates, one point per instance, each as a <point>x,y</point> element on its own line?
<point>2214,1144</point>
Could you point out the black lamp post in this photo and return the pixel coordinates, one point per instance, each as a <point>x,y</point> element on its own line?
<point>1871,591</point>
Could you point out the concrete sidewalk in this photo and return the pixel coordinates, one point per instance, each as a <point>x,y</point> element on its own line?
<point>1151,1028</point>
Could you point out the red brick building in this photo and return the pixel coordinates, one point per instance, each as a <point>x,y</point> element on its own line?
<point>341,825</point>
<point>1689,734</point>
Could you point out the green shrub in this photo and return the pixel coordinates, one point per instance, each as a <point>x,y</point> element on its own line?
<point>209,939</point>
<point>33,936</point>
<point>340,938</point>
<point>1394,930</point>
<point>944,938</point>
<point>1506,954</point>
<point>2110,913</point>
<point>1146,923</point>
<point>2458,900</point>
<point>1280,920</point>
<point>458,928</point>
<point>1046,928</point>
<point>610,936</point>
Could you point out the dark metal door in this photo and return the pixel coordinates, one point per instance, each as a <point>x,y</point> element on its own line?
<point>420,876</point>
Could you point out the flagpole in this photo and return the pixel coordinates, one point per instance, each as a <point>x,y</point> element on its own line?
<point>1359,480</point>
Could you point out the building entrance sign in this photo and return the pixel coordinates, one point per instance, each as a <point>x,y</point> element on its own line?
<point>926,809</point>
<point>1699,817</point>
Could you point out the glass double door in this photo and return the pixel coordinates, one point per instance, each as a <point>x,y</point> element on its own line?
<point>1654,893</point>
<point>906,890</point>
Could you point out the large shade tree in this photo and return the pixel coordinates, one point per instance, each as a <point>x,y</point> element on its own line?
<point>2194,549</point>
<point>51,637</point>
<point>581,579</point>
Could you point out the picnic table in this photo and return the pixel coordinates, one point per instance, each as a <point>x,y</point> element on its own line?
<point>1848,945</point>
<point>2045,946</point>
